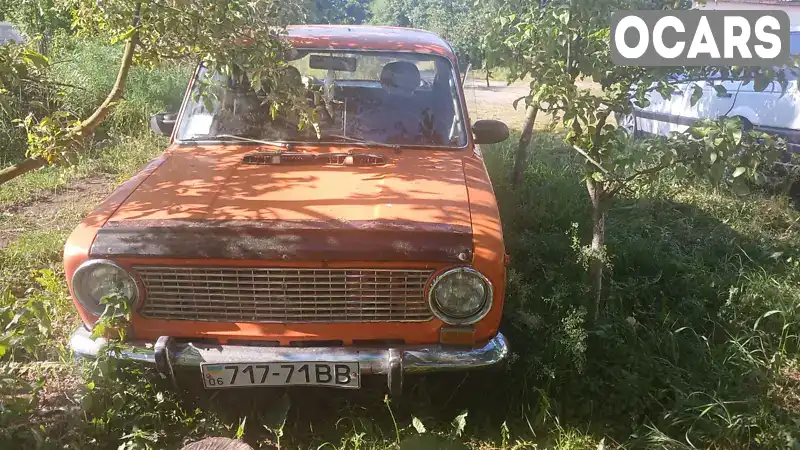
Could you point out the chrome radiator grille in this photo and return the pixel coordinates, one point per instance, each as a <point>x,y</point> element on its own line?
<point>284,295</point>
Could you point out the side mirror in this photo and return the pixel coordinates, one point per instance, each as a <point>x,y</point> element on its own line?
<point>163,123</point>
<point>489,131</point>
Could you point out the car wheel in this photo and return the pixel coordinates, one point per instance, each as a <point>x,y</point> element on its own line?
<point>746,124</point>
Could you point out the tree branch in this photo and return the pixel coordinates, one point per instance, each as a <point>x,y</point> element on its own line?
<point>88,126</point>
<point>25,166</point>
<point>590,159</point>
<point>649,171</point>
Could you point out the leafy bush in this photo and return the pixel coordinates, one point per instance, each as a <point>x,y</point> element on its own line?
<point>82,73</point>
<point>28,327</point>
<point>24,91</point>
<point>91,66</point>
<point>704,319</point>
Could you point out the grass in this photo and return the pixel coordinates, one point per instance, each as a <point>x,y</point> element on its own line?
<point>117,158</point>
<point>124,142</point>
<point>698,346</point>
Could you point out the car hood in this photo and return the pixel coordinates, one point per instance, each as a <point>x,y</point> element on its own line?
<point>201,194</point>
<point>214,183</point>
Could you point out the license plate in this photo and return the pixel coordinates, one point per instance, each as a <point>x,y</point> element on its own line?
<point>332,374</point>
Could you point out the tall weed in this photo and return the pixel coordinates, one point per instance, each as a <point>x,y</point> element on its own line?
<point>91,66</point>
<point>703,317</point>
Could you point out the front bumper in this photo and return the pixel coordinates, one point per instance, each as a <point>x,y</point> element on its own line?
<point>167,353</point>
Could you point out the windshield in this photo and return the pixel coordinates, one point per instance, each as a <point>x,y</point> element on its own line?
<point>370,97</point>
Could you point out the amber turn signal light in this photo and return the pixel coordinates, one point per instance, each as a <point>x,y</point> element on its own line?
<point>457,335</point>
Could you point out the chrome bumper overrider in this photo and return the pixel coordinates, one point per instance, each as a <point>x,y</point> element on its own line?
<point>166,354</point>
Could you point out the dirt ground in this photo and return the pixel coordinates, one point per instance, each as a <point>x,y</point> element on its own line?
<point>53,210</point>
<point>496,101</point>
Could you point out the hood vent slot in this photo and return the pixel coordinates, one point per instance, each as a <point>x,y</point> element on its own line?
<point>300,158</point>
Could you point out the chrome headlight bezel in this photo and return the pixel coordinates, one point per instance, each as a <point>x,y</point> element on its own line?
<point>93,306</point>
<point>467,320</point>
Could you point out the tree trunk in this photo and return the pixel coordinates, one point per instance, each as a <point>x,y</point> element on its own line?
<point>524,142</point>
<point>9,173</point>
<point>488,74</point>
<point>88,126</point>
<point>101,113</point>
<point>597,253</point>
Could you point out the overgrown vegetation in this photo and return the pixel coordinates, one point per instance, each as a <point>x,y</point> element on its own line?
<point>86,68</point>
<point>242,38</point>
<point>465,24</point>
<point>699,349</point>
<point>560,44</point>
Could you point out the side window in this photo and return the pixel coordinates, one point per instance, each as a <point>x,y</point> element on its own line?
<point>427,73</point>
<point>794,42</point>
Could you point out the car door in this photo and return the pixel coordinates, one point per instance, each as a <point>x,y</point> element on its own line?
<point>657,118</point>
<point>679,103</point>
<point>714,102</point>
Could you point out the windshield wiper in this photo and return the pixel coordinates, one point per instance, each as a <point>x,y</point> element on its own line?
<point>216,137</point>
<point>280,144</point>
<point>361,142</point>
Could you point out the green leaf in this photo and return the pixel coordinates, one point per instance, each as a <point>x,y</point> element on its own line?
<point>765,315</point>
<point>697,94</point>
<point>712,157</point>
<point>240,429</point>
<point>86,402</point>
<point>739,187</point>
<point>737,135</point>
<point>124,36</point>
<point>459,423</point>
<point>36,59</point>
<point>418,425</point>
<point>761,82</point>
<point>739,171</point>
<point>721,90</point>
<point>716,173</point>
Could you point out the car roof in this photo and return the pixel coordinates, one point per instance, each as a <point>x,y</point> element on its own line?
<point>365,37</point>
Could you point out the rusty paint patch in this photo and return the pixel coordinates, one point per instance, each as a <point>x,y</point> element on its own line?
<point>379,240</point>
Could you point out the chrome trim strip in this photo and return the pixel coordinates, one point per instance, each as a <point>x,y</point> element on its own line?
<point>415,358</point>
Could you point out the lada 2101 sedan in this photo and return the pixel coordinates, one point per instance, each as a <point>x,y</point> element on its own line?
<point>258,254</point>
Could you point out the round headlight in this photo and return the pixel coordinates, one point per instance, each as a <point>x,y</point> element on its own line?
<point>98,278</point>
<point>460,296</point>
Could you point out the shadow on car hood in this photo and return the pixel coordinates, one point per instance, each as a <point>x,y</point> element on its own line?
<point>204,202</point>
<point>213,183</point>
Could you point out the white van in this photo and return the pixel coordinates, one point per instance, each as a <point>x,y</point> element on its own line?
<point>770,110</point>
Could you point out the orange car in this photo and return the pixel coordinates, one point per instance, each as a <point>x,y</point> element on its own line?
<point>259,254</point>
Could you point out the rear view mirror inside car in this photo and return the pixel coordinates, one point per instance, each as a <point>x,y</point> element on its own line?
<point>332,63</point>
